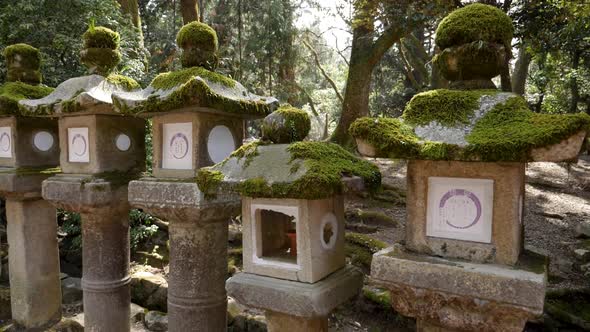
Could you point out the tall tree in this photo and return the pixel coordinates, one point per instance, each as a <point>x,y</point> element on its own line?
<point>189,10</point>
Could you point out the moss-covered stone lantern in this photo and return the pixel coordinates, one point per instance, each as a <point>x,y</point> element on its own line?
<point>29,153</point>
<point>467,151</point>
<point>198,115</point>
<point>293,221</point>
<point>198,119</point>
<point>101,151</point>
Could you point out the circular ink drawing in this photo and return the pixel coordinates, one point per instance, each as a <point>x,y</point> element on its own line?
<point>460,209</point>
<point>179,146</point>
<point>79,145</point>
<point>5,142</point>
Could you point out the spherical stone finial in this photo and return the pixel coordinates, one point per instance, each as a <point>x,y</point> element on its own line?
<point>475,41</point>
<point>23,62</point>
<point>286,125</point>
<point>101,50</point>
<point>199,46</point>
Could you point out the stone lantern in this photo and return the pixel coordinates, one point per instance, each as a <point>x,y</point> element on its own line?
<point>101,150</point>
<point>29,153</point>
<point>198,119</point>
<point>463,266</point>
<point>293,221</point>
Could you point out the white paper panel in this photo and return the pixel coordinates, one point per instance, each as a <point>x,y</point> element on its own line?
<point>220,143</point>
<point>177,146</point>
<point>5,142</point>
<point>78,145</point>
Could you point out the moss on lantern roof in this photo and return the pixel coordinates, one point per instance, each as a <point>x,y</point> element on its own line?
<point>447,107</point>
<point>198,87</point>
<point>12,92</point>
<point>30,56</point>
<point>173,79</point>
<point>301,170</point>
<point>123,81</point>
<point>507,132</point>
<point>197,33</point>
<point>473,23</point>
<point>286,125</point>
<point>101,37</point>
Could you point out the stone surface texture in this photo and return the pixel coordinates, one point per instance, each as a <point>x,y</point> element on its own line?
<point>20,187</point>
<point>461,295</point>
<point>104,210</point>
<point>295,298</point>
<point>506,244</point>
<point>34,263</point>
<point>203,120</point>
<point>568,149</point>
<point>277,322</point>
<point>24,152</point>
<point>91,93</point>
<point>314,261</point>
<point>198,233</point>
<point>102,135</point>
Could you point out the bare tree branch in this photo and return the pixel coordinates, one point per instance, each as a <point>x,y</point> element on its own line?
<point>323,71</point>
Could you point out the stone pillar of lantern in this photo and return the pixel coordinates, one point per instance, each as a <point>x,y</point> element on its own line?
<point>463,266</point>
<point>101,151</point>
<point>189,134</point>
<point>29,154</point>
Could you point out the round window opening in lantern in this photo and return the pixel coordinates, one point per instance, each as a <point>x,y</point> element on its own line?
<point>329,231</point>
<point>220,143</point>
<point>123,142</point>
<point>43,141</point>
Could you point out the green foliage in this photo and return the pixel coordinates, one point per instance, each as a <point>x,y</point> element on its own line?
<point>101,37</point>
<point>30,56</point>
<point>286,125</point>
<point>473,23</point>
<point>56,27</point>
<point>197,34</point>
<point>447,107</point>
<point>326,164</point>
<point>12,92</point>
<point>141,227</point>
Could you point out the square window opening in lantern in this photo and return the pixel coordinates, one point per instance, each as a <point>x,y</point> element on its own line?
<point>278,237</point>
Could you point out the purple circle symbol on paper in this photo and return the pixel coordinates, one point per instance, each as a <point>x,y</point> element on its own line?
<point>179,146</point>
<point>4,147</point>
<point>458,193</point>
<point>85,145</point>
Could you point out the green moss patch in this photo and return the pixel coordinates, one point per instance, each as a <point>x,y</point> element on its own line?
<point>123,82</point>
<point>195,92</point>
<point>447,107</point>
<point>197,34</point>
<point>170,80</point>
<point>472,23</point>
<point>101,61</point>
<point>24,171</point>
<point>360,249</point>
<point>510,130</point>
<point>30,58</point>
<point>12,92</point>
<point>101,37</point>
<point>390,137</point>
<point>326,164</point>
<point>570,306</point>
<point>286,125</point>
<point>208,181</point>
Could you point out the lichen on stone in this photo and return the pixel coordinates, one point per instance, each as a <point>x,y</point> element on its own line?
<point>286,125</point>
<point>101,37</point>
<point>12,92</point>
<point>475,22</point>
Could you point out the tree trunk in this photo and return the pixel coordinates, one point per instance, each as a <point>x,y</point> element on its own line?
<point>521,70</point>
<point>189,10</point>
<point>131,8</point>
<point>574,83</point>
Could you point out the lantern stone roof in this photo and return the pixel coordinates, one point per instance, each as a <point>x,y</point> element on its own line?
<point>300,170</point>
<point>475,125</point>
<point>195,89</point>
<point>87,94</point>
<point>12,92</point>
